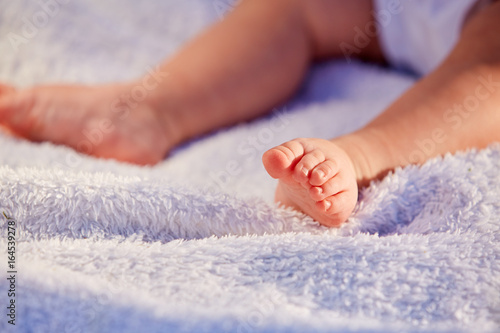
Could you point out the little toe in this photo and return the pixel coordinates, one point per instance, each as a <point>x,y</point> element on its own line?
<point>331,187</point>
<point>323,172</point>
<point>307,163</point>
<point>335,209</point>
<point>324,205</point>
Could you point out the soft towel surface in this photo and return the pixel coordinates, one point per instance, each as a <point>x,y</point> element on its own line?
<point>185,246</point>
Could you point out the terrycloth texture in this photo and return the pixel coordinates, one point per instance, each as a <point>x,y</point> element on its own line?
<point>186,247</point>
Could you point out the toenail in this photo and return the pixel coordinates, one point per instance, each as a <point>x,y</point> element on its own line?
<point>320,190</point>
<point>304,171</point>
<point>328,204</point>
<point>321,173</point>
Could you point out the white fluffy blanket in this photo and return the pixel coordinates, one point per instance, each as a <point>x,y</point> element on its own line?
<point>185,246</point>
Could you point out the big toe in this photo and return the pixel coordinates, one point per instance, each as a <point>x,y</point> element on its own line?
<point>279,161</point>
<point>275,162</point>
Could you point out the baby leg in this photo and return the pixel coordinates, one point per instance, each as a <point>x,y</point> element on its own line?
<point>238,69</point>
<point>456,107</point>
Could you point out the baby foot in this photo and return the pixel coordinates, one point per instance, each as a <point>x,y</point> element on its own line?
<point>316,177</point>
<point>103,121</point>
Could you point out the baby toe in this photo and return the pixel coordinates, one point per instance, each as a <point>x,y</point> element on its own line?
<point>307,163</point>
<point>323,172</point>
<point>293,150</point>
<point>336,209</point>
<point>331,187</point>
<point>279,161</point>
<point>324,205</point>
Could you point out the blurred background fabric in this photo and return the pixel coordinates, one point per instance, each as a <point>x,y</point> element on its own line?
<point>195,243</point>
